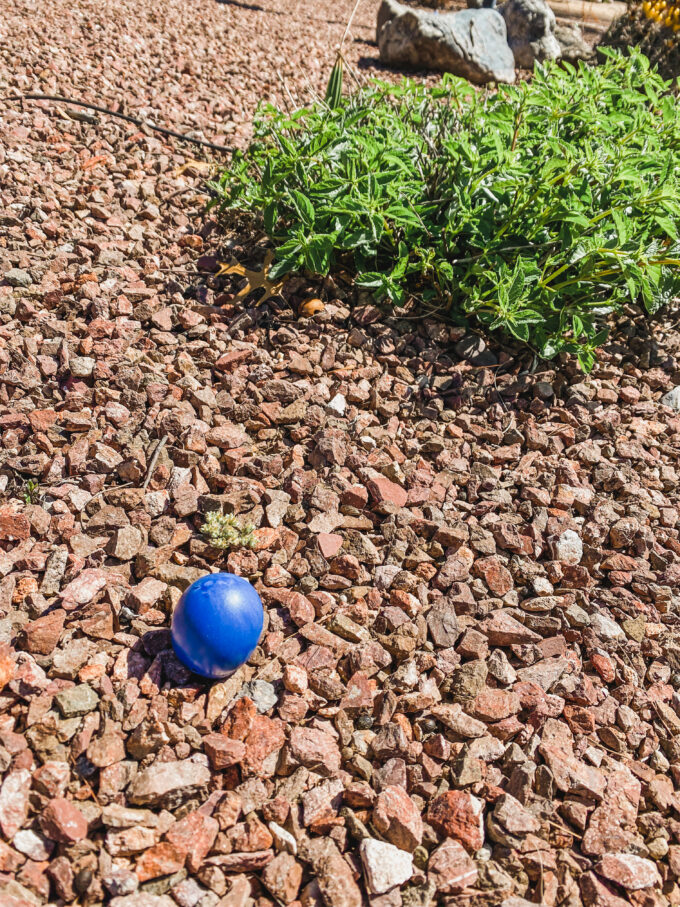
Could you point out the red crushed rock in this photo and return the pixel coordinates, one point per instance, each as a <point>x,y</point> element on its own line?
<point>62,821</point>
<point>459,815</point>
<point>471,649</point>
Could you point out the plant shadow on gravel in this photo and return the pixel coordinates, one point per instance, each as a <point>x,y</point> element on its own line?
<point>451,365</point>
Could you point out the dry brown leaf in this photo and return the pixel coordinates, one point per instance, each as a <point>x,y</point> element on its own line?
<point>256,279</point>
<point>195,168</point>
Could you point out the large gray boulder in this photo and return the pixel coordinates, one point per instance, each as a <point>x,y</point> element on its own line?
<point>471,42</point>
<point>531,31</point>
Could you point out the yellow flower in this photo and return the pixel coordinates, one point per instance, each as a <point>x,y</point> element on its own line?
<point>662,11</point>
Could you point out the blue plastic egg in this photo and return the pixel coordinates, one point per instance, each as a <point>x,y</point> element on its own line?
<point>216,625</point>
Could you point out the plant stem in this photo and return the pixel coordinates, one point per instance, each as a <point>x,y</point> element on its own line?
<point>348,26</point>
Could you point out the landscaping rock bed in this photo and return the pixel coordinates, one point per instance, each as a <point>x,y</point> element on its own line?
<point>468,684</point>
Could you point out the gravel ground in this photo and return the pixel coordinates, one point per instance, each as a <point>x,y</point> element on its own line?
<point>467,687</point>
<point>201,67</point>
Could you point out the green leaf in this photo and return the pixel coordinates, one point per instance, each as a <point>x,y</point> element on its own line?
<point>516,288</point>
<point>334,89</point>
<point>667,225</point>
<point>520,331</point>
<point>271,214</point>
<point>304,207</point>
<point>284,266</point>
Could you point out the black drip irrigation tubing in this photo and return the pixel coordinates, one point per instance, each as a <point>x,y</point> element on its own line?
<point>122,116</point>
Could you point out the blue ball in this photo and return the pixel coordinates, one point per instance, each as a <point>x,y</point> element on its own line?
<point>216,625</point>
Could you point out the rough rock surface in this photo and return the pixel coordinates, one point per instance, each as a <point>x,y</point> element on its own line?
<point>573,45</point>
<point>531,31</point>
<point>471,43</point>
<point>522,693</point>
<point>386,866</point>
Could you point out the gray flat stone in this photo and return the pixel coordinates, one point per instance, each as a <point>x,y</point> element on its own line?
<point>76,701</point>
<point>15,277</point>
<point>262,694</point>
<point>672,399</point>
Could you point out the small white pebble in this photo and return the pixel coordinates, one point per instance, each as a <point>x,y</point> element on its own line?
<point>594,755</point>
<point>82,366</point>
<point>338,404</point>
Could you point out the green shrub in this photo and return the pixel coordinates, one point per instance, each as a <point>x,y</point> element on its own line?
<point>538,209</point>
